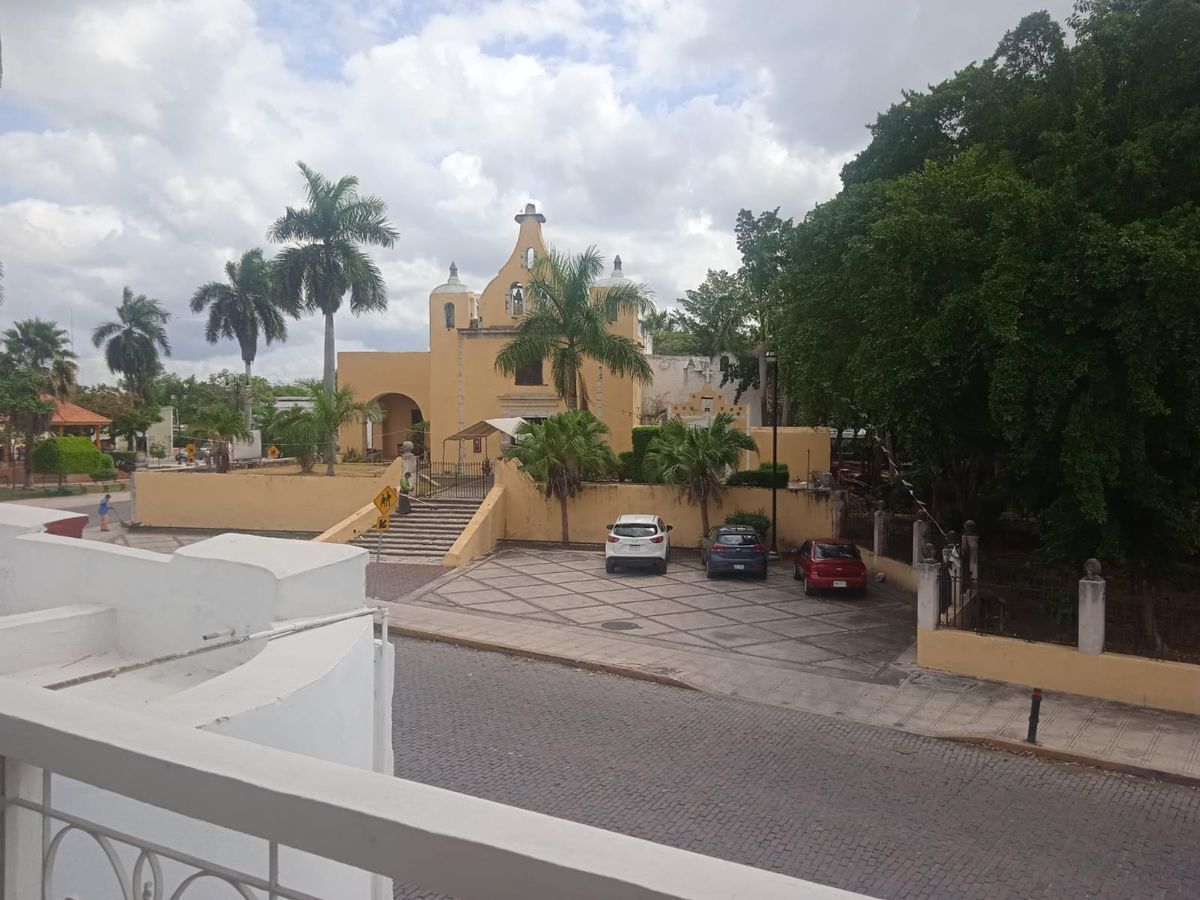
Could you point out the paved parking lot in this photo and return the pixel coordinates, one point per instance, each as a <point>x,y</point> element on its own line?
<point>769,621</point>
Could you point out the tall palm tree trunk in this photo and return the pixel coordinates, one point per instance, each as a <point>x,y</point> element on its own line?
<point>572,398</point>
<point>30,437</point>
<point>330,385</point>
<point>704,512</point>
<point>249,399</point>
<point>562,504</point>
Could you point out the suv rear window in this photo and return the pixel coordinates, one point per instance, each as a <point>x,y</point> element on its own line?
<point>835,551</point>
<point>736,539</point>
<point>638,530</point>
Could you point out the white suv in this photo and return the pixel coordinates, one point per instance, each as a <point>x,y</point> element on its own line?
<point>638,539</point>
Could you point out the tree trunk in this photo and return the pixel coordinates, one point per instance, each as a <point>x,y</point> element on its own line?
<point>330,386</point>
<point>562,503</point>
<point>572,398</point>
<point>764,395</point>
<point>704,512</point>
<point>1144,599</point>
<point>249,399</point>
<point>29,437</point>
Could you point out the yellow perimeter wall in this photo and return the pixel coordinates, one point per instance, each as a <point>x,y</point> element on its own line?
<point>241,501</point>
<point>804,450</point>
<point>482,532</point>
<point>1112,676</point>
<point>531,517</point>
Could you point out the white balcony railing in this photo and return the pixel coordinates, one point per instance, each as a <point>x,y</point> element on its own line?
<point>401,830</point>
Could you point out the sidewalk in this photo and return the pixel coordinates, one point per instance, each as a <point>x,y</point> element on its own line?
<point>1072,728</point>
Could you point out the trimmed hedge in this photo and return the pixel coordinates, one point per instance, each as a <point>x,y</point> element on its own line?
<point>626,461</point>
<point>64,456</point>
<point>759,478</point>
<point>778,467</point>
<point>642,436</point>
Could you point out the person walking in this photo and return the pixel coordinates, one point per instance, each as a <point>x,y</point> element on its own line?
<point>104,507</point>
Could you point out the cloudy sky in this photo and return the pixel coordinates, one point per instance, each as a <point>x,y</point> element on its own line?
<point>145,142</point>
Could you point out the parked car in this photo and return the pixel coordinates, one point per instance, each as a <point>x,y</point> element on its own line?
<point>638,539</point>
<point>733,548</point>
<point>829,564</point>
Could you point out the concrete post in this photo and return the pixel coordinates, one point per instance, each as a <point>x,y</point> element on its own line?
<point>970,546</point>
<point>920,526</point>
<point>838,509</point>
<point>1091,609</point>
<point>879,535</point>
<point>928,592</point>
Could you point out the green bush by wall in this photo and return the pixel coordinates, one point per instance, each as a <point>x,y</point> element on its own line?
<point>64,456</point>
<point>759,478</point>
<point>642,436</point>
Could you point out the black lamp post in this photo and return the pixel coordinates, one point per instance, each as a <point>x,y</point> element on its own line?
<point>773,358</point>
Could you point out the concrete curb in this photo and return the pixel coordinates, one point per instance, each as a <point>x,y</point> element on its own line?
<point>1067,756</point>
<point>508,650</point>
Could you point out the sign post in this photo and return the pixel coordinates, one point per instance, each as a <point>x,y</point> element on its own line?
<point>385,502</point>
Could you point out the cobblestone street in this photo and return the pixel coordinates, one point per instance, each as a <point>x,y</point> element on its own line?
<point>868,809</point>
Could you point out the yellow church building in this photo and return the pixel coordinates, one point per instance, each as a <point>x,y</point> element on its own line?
<point>454,384</point>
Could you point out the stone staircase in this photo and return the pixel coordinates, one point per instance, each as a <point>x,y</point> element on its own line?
<point>427,533</point>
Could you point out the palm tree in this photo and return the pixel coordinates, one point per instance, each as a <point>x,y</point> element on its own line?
<point>560,453</point>
<point>133,342</point>
<point>242,309</point>
<point>38,361</point>
<point>324,260</point>
<point>567,323</point>
<point>307,433</point>
<point>696,457</point>
<point>222,425</point>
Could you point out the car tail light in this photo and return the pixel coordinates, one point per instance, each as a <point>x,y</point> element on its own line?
<point>759,548</point>
<point>612,539</point>
<point>718,547</point>
<point>657,539</point>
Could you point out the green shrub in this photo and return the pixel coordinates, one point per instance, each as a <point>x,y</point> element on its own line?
<point>104,470</point>
<point>64,456</point>
<point>642,436</point>
<point>158,451</point>
<point>759,521</point>
<point>627,462</point>
<point>758,478</point>
<point>778,467</point>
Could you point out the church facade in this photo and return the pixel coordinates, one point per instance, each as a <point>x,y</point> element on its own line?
<point>455,384</point>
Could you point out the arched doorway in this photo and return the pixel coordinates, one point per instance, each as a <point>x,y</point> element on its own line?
<point>402,421</point>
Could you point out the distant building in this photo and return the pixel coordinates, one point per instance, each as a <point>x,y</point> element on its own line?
<point>293,402</point>
<point>678,380</point>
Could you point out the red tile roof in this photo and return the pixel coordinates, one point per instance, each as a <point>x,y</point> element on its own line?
<point>66,413</point>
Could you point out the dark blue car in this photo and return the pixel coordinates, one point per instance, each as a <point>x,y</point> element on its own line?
<point>736,549</point>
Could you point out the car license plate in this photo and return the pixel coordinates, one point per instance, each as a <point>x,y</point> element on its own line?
<point>738,566</point>
<point>839,584</point>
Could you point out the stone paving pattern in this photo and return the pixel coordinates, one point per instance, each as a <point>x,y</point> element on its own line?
<point>768,620</point>
<point>889,814</point>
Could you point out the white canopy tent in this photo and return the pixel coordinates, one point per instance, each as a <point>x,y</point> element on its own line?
<point>484,429</point>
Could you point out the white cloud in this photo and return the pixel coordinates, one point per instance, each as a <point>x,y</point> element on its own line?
<point>164,136</point>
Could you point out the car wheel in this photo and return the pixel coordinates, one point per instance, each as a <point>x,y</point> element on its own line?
<point>808,591</point>
<point>610,566</point>
<point>762,576</point>
<point>708,572</point>
<point>796,572</point>
<point>661,567</point>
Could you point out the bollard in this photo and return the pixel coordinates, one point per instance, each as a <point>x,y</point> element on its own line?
<point>1035,706</point>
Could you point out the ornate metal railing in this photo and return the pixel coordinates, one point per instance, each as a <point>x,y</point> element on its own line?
<point>235,791</point>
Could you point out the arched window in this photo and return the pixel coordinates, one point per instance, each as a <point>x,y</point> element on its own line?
<point>448,310</point>
<point>516,300</point>
<point>529,257</point>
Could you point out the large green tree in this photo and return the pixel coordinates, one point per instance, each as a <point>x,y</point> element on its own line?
<point>135,341</point>
<point>566,322</point>
<point>1007,284</point>
<point>561,453</point>
<point>242,308</point>
<point>37,366</point>
<point>324,260</point>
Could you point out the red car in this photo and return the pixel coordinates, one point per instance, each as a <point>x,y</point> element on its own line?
<point>829,564</point>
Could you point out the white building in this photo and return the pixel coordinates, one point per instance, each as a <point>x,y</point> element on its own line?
<point>678,378</point>
<point>223,714</point>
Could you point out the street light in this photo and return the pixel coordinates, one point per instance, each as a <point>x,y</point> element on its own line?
<point>773,358</point>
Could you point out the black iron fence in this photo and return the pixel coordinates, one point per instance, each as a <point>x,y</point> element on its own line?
<point>1046,611</point>
<point>860,523</point>
<point>1153,621</point>
<point>453,480</point>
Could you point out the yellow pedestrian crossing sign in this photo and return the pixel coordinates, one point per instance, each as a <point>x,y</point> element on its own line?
<point>387,500</point>
<point>383,523</point>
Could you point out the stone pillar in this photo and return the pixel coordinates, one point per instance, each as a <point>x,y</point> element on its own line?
<point>920,526</point>
<point>928,589</point>
<point>970,549</point>
<point>1091,609</point>
<point>838,507</point>
<point>879,534</point>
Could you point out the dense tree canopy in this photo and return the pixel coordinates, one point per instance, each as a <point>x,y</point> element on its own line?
<point>1008,283</point>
